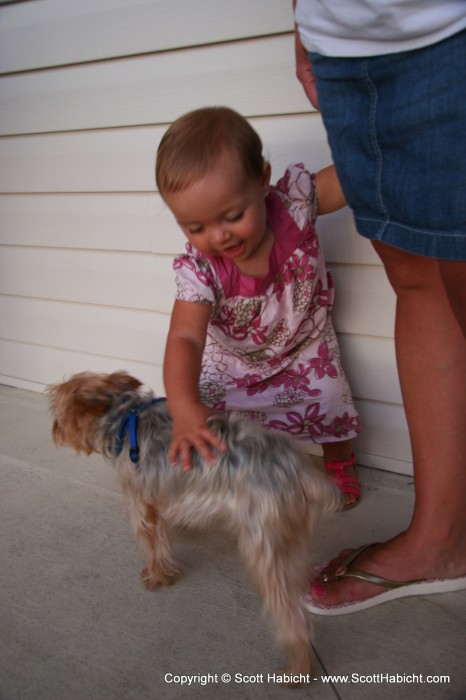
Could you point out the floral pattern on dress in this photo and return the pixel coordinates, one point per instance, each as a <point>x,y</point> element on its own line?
<point>271,350</point>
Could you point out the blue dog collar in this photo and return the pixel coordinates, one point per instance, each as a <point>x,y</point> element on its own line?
<point>129,424</point>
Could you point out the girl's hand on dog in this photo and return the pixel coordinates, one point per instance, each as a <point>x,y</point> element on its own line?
<point>190,432</point>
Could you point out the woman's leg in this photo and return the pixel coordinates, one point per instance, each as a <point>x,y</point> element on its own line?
<point>431,358</point>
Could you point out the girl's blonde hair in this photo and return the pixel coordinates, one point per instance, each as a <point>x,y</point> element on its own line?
<point>195,141</point>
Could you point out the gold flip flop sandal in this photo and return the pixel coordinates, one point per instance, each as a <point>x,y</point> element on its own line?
<point>396,589</point>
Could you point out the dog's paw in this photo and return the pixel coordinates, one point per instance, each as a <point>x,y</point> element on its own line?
<point>152,580</point>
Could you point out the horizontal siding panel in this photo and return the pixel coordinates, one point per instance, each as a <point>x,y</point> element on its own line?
<point>22,362</point>
<point>136,222</point>
<point>364,300</point>
<point>141,335</point>
<point>52,32</point>
<point>124,222</point>
<point>144,281</point>
<point>341,242</point>
<point>370,366</point>
<point>94,161</point>
<point>389,464</point>
<point>119,333</point>
<point>256,79</point>
<point>384,438</point>
<point>127,280</point>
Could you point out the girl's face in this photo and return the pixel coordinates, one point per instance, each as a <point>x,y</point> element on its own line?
<point>224,212</point>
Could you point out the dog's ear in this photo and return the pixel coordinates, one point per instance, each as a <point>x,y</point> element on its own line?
<point>57,433</point>
<point>98,391</point>
<point>121,382</point>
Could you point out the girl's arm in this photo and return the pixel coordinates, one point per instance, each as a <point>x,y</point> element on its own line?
<point>182,370</point>
<point>330,196</point>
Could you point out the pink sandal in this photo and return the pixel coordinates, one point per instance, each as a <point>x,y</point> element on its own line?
<point>348,484</point>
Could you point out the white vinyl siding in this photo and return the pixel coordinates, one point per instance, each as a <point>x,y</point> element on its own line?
<point>86,245</point>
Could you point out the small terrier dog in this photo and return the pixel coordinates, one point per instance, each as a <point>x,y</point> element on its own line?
<point>263,487</point>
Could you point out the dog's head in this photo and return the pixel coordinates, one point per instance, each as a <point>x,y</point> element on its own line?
<point>78,404</point>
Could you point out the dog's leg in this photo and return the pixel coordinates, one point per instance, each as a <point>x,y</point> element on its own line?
<point>152,535</point>
<point>275,557</point>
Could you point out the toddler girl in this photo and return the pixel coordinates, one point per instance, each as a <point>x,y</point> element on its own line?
<point>251,329</point>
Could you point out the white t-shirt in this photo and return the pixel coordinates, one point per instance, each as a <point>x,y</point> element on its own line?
<point>376,27</point>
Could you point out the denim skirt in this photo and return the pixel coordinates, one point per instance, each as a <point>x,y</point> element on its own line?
<point>396,126</point>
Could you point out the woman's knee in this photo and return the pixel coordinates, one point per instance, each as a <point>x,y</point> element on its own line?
<point>407,271</point>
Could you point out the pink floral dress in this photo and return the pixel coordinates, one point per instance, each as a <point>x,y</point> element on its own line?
<point>271,349</point>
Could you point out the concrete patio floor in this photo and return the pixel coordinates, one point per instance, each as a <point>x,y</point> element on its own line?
<point>76,624</point>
